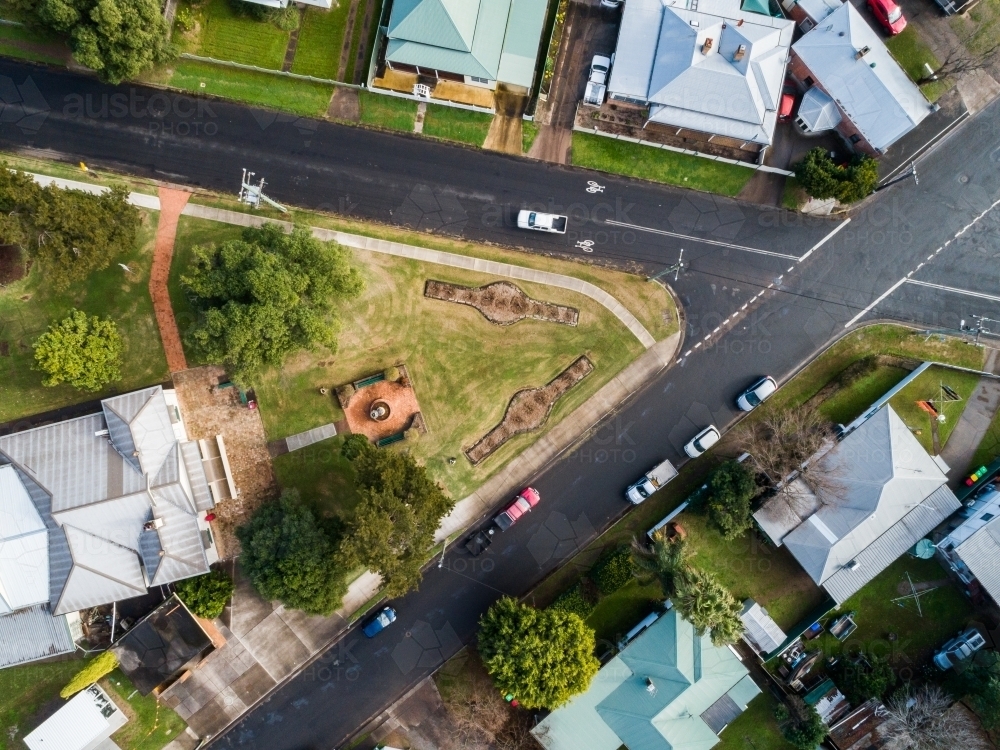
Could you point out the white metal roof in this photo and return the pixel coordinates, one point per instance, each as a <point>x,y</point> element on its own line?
<point>88,718</point>
<point>874,92</point>
<point>705,65</point>
<point>762,632</point>
<point>980,549</point>
<point>818,110</point>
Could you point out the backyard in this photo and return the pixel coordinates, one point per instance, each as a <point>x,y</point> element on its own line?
<point>929,386</point>
<point>219,31</point>
<point>27,307</point>
<point>464,369</point>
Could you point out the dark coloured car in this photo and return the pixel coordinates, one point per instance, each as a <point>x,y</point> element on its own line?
<point>379,622</point>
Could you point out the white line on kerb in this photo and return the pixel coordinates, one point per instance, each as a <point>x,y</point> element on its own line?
<point>717,243</point>
<point>967,292</point>
<point>823,241</point>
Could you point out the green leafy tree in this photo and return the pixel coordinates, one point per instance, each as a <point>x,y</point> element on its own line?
<point>661,561</point>
<point>980,684</point>
<point>708,605</point>
<point>267,295</point>
<point>821,177</point>
<point>96,668</point>
<point>355,445</point>
<point>289,557</point>
<point>206,595</point>
<point>731,490</point>
<point>542,657</point>
<point>394,524</point>
<point>574,600</point>
<point>118,38</point>
<point>83,352</point>
<point>801,725</point>
<point>866,680</point>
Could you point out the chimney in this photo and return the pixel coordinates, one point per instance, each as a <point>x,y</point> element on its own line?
<point>706,47</point>
<point>650,687</point>
<point>740,22</point>
<point>862,52</point>
<point>740,53</point>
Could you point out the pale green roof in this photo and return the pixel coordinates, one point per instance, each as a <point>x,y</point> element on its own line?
<point>689,675</point>
<point>494,39</point>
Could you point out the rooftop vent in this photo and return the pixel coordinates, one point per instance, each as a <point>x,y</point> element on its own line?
<point>741,52</point>
<point>853,565</point>
<point>101,433</point>
<point>152,525</point>
<point>650,687</point>
<point>693,22</point>
<point>740,22</point>
<point>862,52</point>
<point>706,47</point>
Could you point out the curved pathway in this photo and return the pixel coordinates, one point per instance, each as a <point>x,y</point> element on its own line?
<point>172,203</point>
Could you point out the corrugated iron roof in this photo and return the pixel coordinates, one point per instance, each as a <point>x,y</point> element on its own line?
<point>31,634</point>
<point>87,718</point>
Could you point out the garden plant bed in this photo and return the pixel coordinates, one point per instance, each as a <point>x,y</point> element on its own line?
<point>501,302</point>
<point>528,410</point>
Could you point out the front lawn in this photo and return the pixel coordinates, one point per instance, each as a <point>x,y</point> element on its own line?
<point>28,694</point>
<point>391,112</point>
<point>151,724</point>
<point>529,132</point>
<point>657,164</point>
<point>464,369</point>
<point>224,34</point>
<point>27,307</point>
<point>456,124</point>
<point>321,38</point>
<point>850,402</point>
<point>264,89</point>
<point>912,54</point>
<point>927,387</point>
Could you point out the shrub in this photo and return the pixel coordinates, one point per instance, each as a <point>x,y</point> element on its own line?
<point>84,352</point>
<point>804,728</point>
<point>184,19</point>
<point>573,600</point>
<point>412,434</point>
<point>391,374</point>
<point>613,571</point>
<point>95,669</point>
<point>821,177</point>
<point>206,595</point>
<point>866,680</point>
<point>354,446</point>
<point>731,488</point>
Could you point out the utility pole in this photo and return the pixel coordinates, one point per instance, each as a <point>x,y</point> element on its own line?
<point>906,175</point>
<point>676,269</point>
<point>980,327</point>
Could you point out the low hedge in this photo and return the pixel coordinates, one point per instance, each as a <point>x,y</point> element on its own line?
<point>573,600</point>
<point>613,571</point>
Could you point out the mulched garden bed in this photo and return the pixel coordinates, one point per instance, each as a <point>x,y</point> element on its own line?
<point>12,266</point>
<point>501,302</point>
<point>528,410</point>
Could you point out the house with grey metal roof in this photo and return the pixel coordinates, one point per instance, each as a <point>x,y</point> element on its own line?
<point>668,689</point>
<point>94,510</point>
<point>971,547</point>
<point>882,493</point>
<point>760,631</point>
<point>85,722</point>
<point>702,65</point>
<point>846,60</point>
<point>476,42</point>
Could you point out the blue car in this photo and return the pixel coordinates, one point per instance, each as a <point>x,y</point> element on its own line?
<point>379,622</point>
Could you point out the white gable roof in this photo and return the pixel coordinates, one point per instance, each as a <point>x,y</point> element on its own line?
<point>706,65</point>
<point>874,92</point>
<point>88,717</point>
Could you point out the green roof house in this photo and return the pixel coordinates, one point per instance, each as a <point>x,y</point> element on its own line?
<point>478,42</point>
<point>669,689</point>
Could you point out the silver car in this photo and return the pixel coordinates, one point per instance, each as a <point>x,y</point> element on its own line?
<point>755,395</point>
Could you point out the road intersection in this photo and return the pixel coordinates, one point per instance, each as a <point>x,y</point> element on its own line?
<point>763,291</point>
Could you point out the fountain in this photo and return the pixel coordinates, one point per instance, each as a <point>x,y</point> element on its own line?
<point>379,411</point>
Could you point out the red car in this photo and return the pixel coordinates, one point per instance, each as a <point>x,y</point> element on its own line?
<point>526,500</point>
<point>786,106</point>
<point>889,15</point>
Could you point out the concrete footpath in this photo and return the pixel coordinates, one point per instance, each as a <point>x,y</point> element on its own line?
<point>972,425</point>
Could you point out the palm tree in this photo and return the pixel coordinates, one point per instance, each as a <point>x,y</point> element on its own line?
<point>708,605</point>
<point>661,561</point>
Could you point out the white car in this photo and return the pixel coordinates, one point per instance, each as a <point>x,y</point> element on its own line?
<point>600,66</point>
<point>702,441</point>
<point>595,93</point>
<point>542,222</point>
<point>958,649</point>
<point>754,396</point>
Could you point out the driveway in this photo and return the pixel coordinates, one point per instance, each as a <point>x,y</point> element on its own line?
<point>589,30</point>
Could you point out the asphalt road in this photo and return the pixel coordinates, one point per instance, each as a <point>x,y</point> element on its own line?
<point>759,299</point>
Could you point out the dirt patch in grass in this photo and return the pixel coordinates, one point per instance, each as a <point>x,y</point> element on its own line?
<point>11,264</point>
<point>501,302</point>
<point>529,409</point>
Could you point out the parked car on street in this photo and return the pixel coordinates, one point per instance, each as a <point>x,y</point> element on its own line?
<point>526,500</point>
<point>542,222</point>
<point>958,649</point>
<point>754,396</point>
<point>889,15</point>
<point>379,622</point>
<point>653,480</point>
<point>702,441</point>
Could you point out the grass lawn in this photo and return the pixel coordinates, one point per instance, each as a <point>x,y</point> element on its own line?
<point>989,446</point>
<point>31,44</point>
<point>658,165</point>
<point>619,612</point>
<point>151,724</point>
<point>529,132</point>
<point>945,611</point>
<point>848,403</point>
<point>457,124</point>
<point>324,478</point>
<point>27,308</point>
<point>912,54</point>
<point>277,92</point>
<point>927,387</point>
<point>224,34</point>
<point>464,369</point>
<point>793,194</point>
<point>980,27</point>
<point>755,729</point>
<point>321,37</point>
<point>387,111</point>
<point>29,690</point>
<point>361,35</point>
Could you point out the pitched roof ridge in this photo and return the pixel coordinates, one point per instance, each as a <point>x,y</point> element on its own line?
<point>93,536</point>
<point>81,566</point>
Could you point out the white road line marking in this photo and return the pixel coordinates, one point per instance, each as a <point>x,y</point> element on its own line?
<point>881,297</point>
<point>966,292</point>
<point>823,241</point>
<point>770,285</point>
<point>789,269</point>
<point>726,321</point>
<point>930,257</point>
<point>688,352</point>
<point>716,329</point>
<point>707,337</point>
<point>717,243</point>
<point>745,305</point>
<point>697,345</point>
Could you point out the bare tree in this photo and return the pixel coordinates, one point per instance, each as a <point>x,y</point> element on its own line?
<point>959,61</point>
<point>782,443</point>
<point>478,711</point>
<point>926,719</point>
